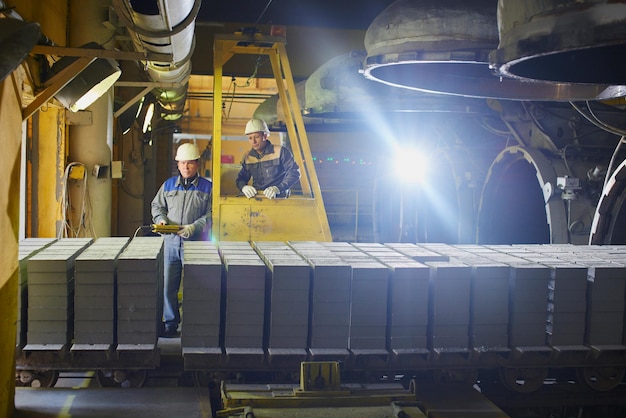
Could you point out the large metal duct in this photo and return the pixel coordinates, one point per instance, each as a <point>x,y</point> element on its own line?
<point>571,41</point>
<point>443,46</point>
<point>167,27</point>
<point>337,89</point>
<point>529,197</point>
<point>337,92</point>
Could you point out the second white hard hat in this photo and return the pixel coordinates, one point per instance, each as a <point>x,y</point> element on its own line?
<point>256,125</point>
<point>187,152</point>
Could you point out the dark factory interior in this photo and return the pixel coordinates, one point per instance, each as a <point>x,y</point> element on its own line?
<point>452,246</point>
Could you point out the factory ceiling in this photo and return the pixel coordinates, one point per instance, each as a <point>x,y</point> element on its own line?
<point>320,13</point>
<point>316,31</point>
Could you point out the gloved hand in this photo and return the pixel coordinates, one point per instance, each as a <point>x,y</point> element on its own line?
<point>186,231</point>
<point>271,192</point>
<point>249,191</point>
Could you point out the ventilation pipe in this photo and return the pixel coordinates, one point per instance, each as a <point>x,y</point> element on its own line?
<point>443,46</point>
<point>167,27</point>
<point>562,41</point>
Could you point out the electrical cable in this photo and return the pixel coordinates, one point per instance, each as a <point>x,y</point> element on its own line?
<point>607,126</point>
<point>141,228</point>
<point>597,122</point>
<point>483,122</point>
<point>234,85</point>
<point>556,115</point>
<point>68,230</point>
<point>263,12</point>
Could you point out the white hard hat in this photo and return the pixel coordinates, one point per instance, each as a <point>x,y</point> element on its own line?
<point>187,152</point>
<point>256,125</point>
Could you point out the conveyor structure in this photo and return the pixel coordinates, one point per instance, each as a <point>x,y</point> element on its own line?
<point>529,314</point>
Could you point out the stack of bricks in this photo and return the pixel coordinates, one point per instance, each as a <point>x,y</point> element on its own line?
<point>51,293</point>
<point>606,305</point>
<point>489,294</point>
<point>567,303</point>
<point>202,289</point>
<point>94,295</point>
<point>330,299</point>
<point>289,284</point>
<point>368,294</point>
<point>140,293</point>
<point>408,299</point>
<point>528,298</point>
<point>450,303</point>
<point>489,304</point>
<point>245,298</point>
<point>451,296</point>
<point>27,248</point>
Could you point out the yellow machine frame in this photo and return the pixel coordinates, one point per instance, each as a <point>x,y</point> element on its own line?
<point>320,393</point>
<point>237,218</point>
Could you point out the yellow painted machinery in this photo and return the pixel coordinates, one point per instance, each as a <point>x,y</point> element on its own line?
<point>236,218</point>
<point>320,393</point>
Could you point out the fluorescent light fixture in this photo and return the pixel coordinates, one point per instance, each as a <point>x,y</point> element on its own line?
<point>90,83</point>
<point>147,121</point>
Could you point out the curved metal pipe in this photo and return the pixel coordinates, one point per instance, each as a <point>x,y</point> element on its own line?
<point>608,221</point>
<point>164,26</point>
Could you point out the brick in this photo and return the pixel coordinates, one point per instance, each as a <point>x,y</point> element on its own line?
<point>367,343</point>
<point>243,342</point>
<point>198,340</point>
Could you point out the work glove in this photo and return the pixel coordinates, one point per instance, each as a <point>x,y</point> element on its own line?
<point>249,191</point>
<point>186,231</point>
<point>271,192</point>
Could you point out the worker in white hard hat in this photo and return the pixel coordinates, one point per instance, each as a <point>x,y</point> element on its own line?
<point>184,200</point>
<point>271,167</point>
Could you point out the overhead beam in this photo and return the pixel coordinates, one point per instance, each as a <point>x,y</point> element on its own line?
<point>101,53</point>
<point>55,84</point>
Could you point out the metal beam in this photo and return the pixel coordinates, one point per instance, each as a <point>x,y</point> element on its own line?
<point>101,53</point>
<point>55,84</point>
<point>146,87</point>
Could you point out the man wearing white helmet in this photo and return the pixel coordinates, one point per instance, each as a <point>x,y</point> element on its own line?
<point>185,200</point>
<point>270,166</point>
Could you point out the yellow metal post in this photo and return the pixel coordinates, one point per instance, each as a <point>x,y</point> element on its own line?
<point>237,218</point>
<point>217,137</point>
